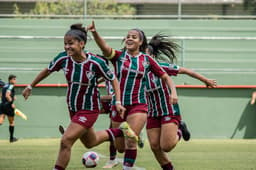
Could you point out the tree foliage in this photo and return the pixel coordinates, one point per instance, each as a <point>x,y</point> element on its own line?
<point>74,7</point>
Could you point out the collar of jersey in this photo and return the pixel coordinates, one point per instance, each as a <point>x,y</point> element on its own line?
<point>85,61</point>
<point>131,55</point>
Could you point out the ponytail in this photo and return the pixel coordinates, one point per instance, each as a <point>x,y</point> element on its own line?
<point>78,32</point>
<point>160,44</point>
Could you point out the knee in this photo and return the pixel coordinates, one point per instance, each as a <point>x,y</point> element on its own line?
<point>131,144</point>
<point>155,146</point>
<point>65,143</point>
<point>167,147</point>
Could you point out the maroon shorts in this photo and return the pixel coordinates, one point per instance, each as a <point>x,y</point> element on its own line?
<point>156,122</point>
<point>86,118</point>
<point>130,109</point>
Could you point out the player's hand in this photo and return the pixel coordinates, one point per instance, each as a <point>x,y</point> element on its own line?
<point>211,83</point>
<point>13,106</point>
<point>120,110</point>
<point>173,99</point>
<point>91,27</point>
<point>26,93</point>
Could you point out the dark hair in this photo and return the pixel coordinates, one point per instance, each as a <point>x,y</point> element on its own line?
<point>78,32</point>
<point>11,76</point>
<point>160,44</point>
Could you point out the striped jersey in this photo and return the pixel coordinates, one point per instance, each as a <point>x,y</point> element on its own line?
<point>158,92</point>
<point>82,91</point>
<point>131,72</point>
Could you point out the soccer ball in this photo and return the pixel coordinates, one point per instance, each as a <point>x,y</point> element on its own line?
<point>90,159</point>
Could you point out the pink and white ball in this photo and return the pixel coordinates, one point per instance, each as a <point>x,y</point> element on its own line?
<point>90,159</point>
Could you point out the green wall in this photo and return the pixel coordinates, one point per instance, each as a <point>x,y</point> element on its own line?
<point>209,113</point>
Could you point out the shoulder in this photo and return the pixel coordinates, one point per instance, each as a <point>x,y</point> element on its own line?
<point>61,55</point>
<point>97,59</point>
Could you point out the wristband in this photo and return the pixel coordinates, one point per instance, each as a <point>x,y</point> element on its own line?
<point>118,102</point>
<point>29,87</point>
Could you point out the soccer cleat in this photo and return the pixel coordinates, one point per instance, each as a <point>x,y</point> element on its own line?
<point>61,129</point>
<point>128,132</point>
<point>184,130</point>
<point>13,140</point>
<point>111,164</point>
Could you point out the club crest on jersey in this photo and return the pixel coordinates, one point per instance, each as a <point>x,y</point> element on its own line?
<point>90,74</point>
<point>145,64</point>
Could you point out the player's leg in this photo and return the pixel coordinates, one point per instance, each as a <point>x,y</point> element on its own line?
<point>2,117</point>
<point>72,133</point>
<point>169,136</point>
<point>136,121</point>
<point>112,162</point>
<point>92,138</point>
<point>10,114</point>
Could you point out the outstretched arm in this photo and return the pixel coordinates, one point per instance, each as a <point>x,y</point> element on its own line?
<point>191,73</point>
<point>171,85</point>
<point>42,75</point>
<point>105,48</point>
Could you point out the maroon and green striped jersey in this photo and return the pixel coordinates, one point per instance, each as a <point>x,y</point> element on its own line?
<point>82,91</point>
<point>158,92</point>
<point>131,72</point>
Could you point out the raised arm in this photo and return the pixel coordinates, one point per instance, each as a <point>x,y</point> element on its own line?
<point>42,75</point>
<point>171,85</point>
<point>191,73</point>
<point>105,48</point>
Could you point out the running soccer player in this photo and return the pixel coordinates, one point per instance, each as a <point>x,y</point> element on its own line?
<point>164,119</point>
<point>131,66</point>
<point>7,106</point>
<point>82,69</point>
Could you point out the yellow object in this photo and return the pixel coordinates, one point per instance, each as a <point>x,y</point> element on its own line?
<point>19,113</point>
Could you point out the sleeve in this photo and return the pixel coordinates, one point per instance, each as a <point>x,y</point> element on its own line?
<point>56,63</point>
<point>10,87</point>
<point>155,67</point>
<point>115,54</point>
<point>105,71</point>
<point>171,69</point>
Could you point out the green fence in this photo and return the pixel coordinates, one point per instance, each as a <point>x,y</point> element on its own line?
<point>230,61</point>
<point>209,113</point>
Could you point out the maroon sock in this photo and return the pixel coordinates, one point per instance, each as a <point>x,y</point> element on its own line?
<point>112,133</point>
<point>167,166</point>
<point>112,150</point>
<point>57,167</point>
<point>130,157</point>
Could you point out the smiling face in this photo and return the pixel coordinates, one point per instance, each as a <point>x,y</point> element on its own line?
<point>72,46</point>
<point>133,41</point>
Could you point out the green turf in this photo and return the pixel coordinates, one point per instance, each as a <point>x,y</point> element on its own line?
<point>40,154</point>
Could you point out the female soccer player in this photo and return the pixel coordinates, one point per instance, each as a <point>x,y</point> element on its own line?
<point>82,69</point>
<point>131,66</point>
<point>163,117</point>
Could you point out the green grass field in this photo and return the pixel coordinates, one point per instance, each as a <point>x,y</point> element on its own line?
<point>40,154</point>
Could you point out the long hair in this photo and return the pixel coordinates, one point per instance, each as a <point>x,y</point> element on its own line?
<point>160,44</point>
